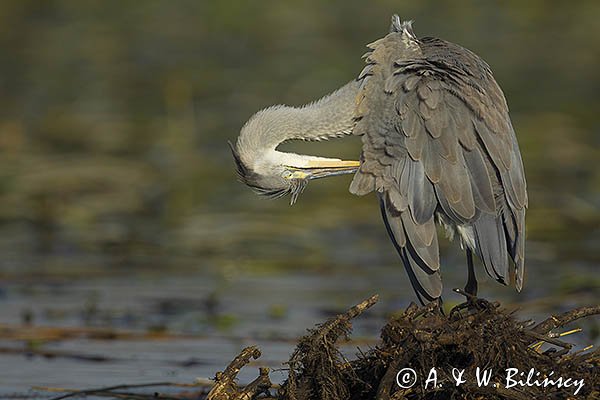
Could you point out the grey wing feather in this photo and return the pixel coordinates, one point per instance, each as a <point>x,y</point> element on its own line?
<point>491,245</point>
<point>419,192</point>
<point>437,139</point>
<point>427,283</point>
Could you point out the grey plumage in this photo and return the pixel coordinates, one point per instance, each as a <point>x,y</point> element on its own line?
<point>438,146</point>
<point>445,116</point>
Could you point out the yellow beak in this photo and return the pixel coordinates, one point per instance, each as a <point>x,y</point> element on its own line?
<point>333,164</point>
<point>316,169</point>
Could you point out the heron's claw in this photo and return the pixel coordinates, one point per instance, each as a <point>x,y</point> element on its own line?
<point>473,303</point>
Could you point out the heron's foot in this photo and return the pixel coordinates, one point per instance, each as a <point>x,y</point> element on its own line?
<point>473,303</point>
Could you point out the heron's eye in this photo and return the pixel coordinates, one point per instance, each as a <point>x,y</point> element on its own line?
<point>295,174</point>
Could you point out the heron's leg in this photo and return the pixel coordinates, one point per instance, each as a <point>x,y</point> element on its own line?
<point>440,305</point>
<point>471,286</point>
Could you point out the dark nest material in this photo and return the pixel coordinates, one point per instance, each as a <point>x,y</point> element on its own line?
<point>474,334</point>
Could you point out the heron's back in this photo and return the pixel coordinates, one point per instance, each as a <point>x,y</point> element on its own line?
<point>438,144</point>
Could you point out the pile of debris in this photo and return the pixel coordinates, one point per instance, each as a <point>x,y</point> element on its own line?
<point>477,351</point>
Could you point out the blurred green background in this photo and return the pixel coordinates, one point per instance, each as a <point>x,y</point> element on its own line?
<point>115,116</point>
<point>120,208</point>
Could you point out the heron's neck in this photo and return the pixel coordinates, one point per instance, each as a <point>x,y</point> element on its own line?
<point>332,116</point>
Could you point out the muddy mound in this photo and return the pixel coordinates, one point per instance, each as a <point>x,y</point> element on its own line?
<point>477,351</point>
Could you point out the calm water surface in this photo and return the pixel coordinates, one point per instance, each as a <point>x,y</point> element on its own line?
<point>210,317</point>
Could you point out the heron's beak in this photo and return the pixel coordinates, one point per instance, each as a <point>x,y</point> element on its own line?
<point>324,172</point>
<point>333,164</point>
<point>325,168</point>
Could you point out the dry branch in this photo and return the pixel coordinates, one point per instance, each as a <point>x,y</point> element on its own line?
<point>557,321</point>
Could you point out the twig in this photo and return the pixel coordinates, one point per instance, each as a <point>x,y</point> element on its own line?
<point>556,321</point>
<point>262,384</point>
<point>388,380</point>
<point>86,392</point>
<point>352,313</point>
<point>361,307</point>
<point>225,381</point>
<point>548,339</point>
<point>136,396</point>
<point>56,354</point>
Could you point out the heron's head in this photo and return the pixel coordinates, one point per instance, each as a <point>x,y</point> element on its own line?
<point>274,173</point>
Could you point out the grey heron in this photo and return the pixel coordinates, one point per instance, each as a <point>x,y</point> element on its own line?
<point>438,147</point>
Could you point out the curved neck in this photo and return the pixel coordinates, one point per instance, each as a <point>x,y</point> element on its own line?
<point>331,116</point>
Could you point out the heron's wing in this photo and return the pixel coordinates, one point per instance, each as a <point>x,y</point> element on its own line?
<point>437,137</point>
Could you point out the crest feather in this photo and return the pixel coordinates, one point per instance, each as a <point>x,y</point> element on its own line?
<point>404,27</point>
